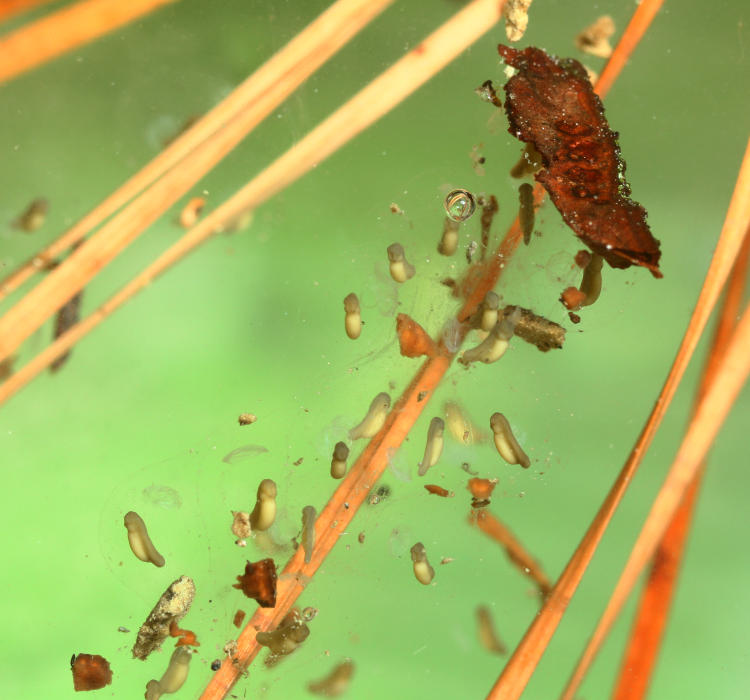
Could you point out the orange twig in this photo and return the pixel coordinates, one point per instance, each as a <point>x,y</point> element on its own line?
<point>521,665</point>
<point>9,8</point>
<point>375,100</point>
<point>295,62</point>
<point>712,410</point>
<point>651,619</point>
<point>516,552</point>
<point>61,31</point>
<point>332,522</point>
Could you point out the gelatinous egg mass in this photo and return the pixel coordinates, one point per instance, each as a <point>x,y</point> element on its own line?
<point>460,205</point>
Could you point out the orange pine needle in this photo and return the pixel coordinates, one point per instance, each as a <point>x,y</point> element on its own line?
<point>525,658</point>
<point>61,31</point>
<point>648,627</point>
<point>712,410</point>
<point>515,551</point>
<point>9,8</point>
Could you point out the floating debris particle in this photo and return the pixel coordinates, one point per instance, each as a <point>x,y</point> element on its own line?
<point>439,491</point>
<point>215,665</point>
<point>162,496</point>
<point>413,340</point>
<point>240,453</point>
<point>487,635</point>
<point>140,542</point>
<point>191,211</point>
<point>174,677</point>
<point>361,538</point>
<point>186,637</point>
<point>286,638</point>
<point>434,447</point>
<point>470,250</point>
<point>572,298</point>
<point>396,209</point>
<point>481,491</point>
<point>352,317</point>
<point>423,572</point>
<point>487,93</point>
<point>594,39</point>
<point>264,512</point>
<point>467,468</point>
<point>460,205</point>
<point>338,461</point>
<point>239,616</point>
<point>259,582</point>
<point>124,630</point>
<point>247,418</point>
<point>446,560</point>
<point>506,442</point>
<point>335,683</point>
<point>375,418</point>
<point>90,672</point>
<point>172,606</point>
<point>516,18</point>
<point>379,494</point>
<point>534,329</point>
<point>241,526</point>
<point>33,217</point>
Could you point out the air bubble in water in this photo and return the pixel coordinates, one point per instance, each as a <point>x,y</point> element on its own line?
<point>460,205</point>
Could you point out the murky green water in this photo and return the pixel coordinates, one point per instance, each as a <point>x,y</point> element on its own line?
<point>146,408</point>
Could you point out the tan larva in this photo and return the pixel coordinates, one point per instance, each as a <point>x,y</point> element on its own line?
<point>285,639</point>
<point>264,512</point>
<point>434,447</point>
<point>174,677</point>
<point>423,572</point>
<point>335,683</point>
<point>139,540</point>
<point>338,461</point>
<point>352,318</point>
<point>506,442</point>
<point>401,269</point>
<point>493,347</point>
<point>449,242</point>
<point>375,418</point>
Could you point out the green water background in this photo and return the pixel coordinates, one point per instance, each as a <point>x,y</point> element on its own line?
<point>254,322</point>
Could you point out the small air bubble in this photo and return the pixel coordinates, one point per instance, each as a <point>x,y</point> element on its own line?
<point>460,205</point>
